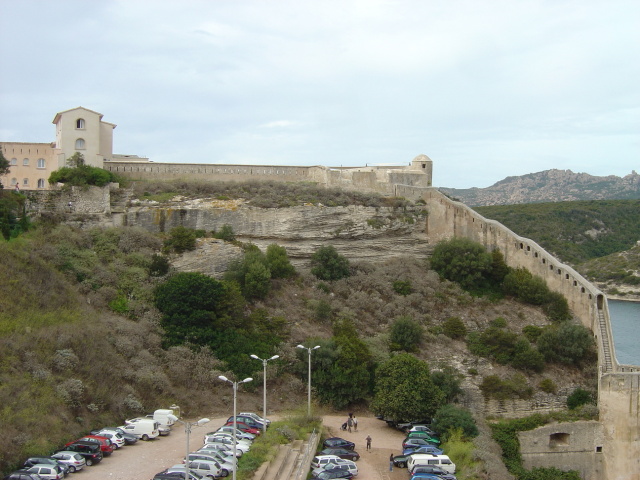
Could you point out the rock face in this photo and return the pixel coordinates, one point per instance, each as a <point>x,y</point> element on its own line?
<point>358,232</point>
<point>550,186</point>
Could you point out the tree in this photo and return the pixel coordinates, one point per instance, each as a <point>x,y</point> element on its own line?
<point>278,262</point>
<point>448,380</point>
<point>5,166</point>
<point>404,390</point>
<point>251,272</point>
<point>569,344</point>
<point>181,239</point>
<point>463,261</point>
<point>449,418</point>
<point>454,327</point>
<point>328,264</point>
<point>406,334</point>
<point>194,305</point>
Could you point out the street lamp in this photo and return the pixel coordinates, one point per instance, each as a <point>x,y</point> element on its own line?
<point>187,429</point>
<point>235,422</point>
<point>309,349</point>
<point>264,388</point>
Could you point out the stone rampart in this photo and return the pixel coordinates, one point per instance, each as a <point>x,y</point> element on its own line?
<point>619,386</point>
<point>78,200</point>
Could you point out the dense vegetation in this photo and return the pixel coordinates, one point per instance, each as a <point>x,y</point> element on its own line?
<point>573,231</point>
<point>82,299</point>
<point>78,174</point>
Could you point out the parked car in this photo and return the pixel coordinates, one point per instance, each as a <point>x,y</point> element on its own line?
<point>342,453</point>
<point>425,436</point>
<point>143,428</point>
<point>240,446</point>
<point>164,475</point>
<point>337,442</point>
<point>116,438</point>
<point>425,476</point>
<point>244,427</point>
<point>129,438</point>
<point>90,451</point>
<point>320,460</point>
<point>47,471</point>
<point>31,461</point>
<point>22,475</point>
<point>257,418</point>
<point>331,474</point>
<point>340,464</point>
<point>406,426</point>
<point>240,441</point>
<point>434,470</point>
<point>415,442</point>
<point>228,463</point>
<point>239,433</point>
<point>401,460</point>
<point>206,468</point>
<point>422,428</point>
<point>72,460</point>
<point>103,443</point>
<point>248,420</point>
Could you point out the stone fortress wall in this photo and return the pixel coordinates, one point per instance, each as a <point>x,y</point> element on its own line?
<point>610,448</point>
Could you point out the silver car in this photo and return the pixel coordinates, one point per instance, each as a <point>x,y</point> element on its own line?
<point>73,460</point>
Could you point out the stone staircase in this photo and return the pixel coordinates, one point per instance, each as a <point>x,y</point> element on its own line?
<point>607,364</point>
<point>292,462</point>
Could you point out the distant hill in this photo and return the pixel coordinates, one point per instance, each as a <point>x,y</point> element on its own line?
<point>550,186</point>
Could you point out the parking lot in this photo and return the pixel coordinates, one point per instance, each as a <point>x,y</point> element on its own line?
<point>144,459</point>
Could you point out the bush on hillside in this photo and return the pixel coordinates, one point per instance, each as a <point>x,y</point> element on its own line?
<point>278,262</point>
<point>406,334</point>
<point>579,397</point>
<point>567,343</point>
<point>454,327</point>
<point>328,264</point>
<point>463,261</point>
<point>181,239</point>
<point>448,418</point>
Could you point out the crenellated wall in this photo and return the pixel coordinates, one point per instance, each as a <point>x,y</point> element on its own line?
<point>619,386</point>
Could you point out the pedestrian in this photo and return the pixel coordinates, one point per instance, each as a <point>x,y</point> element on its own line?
<point>369,443</point>
<point>349,423</point>
<point>391,463</point>
<point>355,424</point>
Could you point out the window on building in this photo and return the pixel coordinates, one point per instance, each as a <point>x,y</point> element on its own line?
<point>41,163</point>
<point>80,124</point>
<point>14,181</point>
<point>80,144</point>
<point>14,161</point>
<point>25,162</point>
<point>41,183</point>
<point>25,181</point>
<point>559,439</point>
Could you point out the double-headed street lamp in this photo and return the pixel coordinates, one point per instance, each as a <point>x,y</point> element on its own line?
<point>235,422</point>
<point>187,429</point>
<point>309,349</point>
<point>264,388</point>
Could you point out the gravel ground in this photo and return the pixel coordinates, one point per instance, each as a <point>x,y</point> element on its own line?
<point>144,459</point>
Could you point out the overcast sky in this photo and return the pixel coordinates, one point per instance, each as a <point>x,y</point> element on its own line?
<point>485,88</point>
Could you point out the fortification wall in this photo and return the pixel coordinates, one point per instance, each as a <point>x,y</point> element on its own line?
<point>619,386</point>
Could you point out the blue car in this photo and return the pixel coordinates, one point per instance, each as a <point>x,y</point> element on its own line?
<point>432,449</point>
<point>425,476</point>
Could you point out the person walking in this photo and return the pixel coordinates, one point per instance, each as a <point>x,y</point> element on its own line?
<point>355,424</point>
<point>368,443</point>
<point>349,423</point>
<point>391,463</point>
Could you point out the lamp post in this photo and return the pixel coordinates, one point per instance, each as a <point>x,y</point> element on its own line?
<point>309,349</point>
<point>187,430</point>
<point>264,388</point>
<point>235,422</point>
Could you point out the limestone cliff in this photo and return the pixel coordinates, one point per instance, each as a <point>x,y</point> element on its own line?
<point>356,231</point>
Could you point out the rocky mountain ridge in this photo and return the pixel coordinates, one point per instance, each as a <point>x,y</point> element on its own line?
<point>550,186</point>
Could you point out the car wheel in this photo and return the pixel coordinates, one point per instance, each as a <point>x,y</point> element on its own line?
<point>402,464</point>
<point>89,462</point>
<point>224,473</point>
<point>72,469</point>
<point>145,437</point>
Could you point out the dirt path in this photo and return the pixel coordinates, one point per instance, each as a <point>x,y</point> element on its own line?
<point>144,459</point>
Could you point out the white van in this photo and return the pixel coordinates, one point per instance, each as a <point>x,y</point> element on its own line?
<point>164,416</point>
<point>143,428</point>
<point>422,459</point>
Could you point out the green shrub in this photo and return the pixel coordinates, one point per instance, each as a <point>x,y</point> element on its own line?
<point>406,334</point>
<point>493,386</point>
<point>463,261</point>
<point>499,323</point>
<point>402,287</point>
<point>159,266</point>
<point>181,239</point>
<point>548,386</point>
<point>449,418</point>
<point>278,262</point>
<point>328,264</point>
<point>578,398</point>
<point>225,233</point>
<point>454,327</point>
<point>532,332</point>
<point>567,343</point>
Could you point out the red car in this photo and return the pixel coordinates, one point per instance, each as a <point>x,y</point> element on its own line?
<point>106,447</point>
<point>245,428</point>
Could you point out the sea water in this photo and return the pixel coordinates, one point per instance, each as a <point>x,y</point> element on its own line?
<point>625,324</point>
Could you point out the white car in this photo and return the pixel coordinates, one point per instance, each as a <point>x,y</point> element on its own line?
<point>227,462</point>
<point>116,438</point>
<point>243,441</point>
<point>47,471</point>
<point>73,460</point>
<point>239,433</point>
<point>228,440</point>
<point>348,465</point>
<point>320,460</point>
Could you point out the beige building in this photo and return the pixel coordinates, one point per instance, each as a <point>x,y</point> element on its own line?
<point>77,130</point>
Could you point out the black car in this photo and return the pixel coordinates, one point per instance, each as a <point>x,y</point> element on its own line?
<point>176,476</point>
<point>342,453</point>
<point>31,461</point>
<point>337,442</point>
<point>434,469</point>
<point>90,451</point>
<point>331,474</point>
